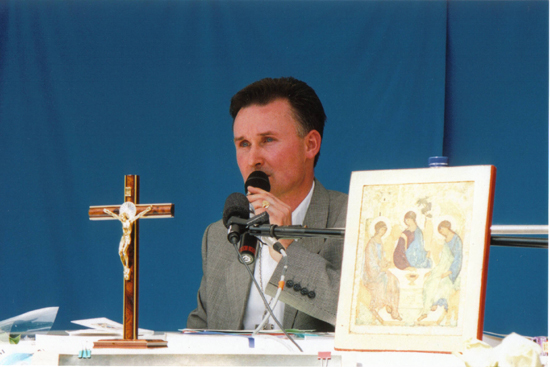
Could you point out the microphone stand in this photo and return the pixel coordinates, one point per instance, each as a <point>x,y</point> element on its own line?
<point>293,232</point>
<point>257,226</point>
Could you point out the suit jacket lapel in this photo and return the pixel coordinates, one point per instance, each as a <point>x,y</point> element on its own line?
<point>316,217</point>
<point>238,290</point>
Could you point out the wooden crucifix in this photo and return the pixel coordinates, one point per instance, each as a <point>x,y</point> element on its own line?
<point>129,214</point>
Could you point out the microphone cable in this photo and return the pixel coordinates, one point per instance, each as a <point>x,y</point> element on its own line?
<point>265,301</point>
<point>280,287</point>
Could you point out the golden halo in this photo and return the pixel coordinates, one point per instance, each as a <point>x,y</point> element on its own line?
<point>129,208</point>
<point>386,221</point>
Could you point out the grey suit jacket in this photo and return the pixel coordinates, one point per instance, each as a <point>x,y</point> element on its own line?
<point>313,263</point>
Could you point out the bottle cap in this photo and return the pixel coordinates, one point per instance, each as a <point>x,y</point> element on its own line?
<point>438,161</point>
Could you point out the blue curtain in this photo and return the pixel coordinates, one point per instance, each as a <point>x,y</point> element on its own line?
<point>496,112</point>
<point>93,90</point>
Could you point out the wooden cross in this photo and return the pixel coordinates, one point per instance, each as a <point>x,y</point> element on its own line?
<point>130,317</point>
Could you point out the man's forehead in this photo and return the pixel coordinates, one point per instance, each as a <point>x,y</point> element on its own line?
<point>273,118</point>
<point>261,129</point>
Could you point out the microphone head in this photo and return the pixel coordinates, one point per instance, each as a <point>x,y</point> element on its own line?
<point>258,179</point>
<point>236,205</point>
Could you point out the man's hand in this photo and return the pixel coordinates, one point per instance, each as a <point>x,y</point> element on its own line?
<point>279,212</point>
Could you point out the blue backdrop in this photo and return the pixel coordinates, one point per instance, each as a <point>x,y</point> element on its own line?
<point>93,90</point>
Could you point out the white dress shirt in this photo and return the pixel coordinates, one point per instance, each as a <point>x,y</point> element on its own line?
<point>255,307</point>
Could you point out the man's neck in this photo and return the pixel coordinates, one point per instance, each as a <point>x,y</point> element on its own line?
<point>296,197</point>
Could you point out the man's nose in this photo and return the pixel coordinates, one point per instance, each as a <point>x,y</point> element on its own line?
<point>256,157</point>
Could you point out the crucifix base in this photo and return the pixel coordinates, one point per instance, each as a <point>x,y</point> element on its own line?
<point>131,344</point>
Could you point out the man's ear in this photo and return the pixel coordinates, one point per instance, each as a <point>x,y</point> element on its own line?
<point>313,143</point>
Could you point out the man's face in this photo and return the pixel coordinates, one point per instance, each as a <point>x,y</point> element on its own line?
<point>266,139</point>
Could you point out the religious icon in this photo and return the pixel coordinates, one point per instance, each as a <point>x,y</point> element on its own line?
<point>129,256</point>
<point>127,217</point>
<point>415,259</point>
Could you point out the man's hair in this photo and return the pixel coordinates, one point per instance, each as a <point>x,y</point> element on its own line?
<point>306,106</point>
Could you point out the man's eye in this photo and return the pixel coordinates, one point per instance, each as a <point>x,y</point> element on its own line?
<point>244,144</point>
<point>269,140</point>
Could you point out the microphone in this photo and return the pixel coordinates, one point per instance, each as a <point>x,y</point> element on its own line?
<point>249,243</point>
<point>236,207</point>
<point>260,180</point>
<point>257,179</point>
<point>247,248</point>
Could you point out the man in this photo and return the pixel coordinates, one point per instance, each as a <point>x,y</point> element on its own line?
<point>277,127</point>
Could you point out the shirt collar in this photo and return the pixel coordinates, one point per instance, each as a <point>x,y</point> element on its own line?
<point>299,213</point>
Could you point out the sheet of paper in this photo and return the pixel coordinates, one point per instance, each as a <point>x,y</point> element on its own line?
<point>40,320</point>
<point>103,326</point>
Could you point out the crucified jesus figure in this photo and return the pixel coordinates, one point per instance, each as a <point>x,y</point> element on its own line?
<point>127,217</point>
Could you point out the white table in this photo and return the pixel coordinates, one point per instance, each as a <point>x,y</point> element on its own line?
<point>217,350</point>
